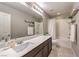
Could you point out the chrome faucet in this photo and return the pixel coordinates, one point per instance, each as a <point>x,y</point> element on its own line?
<point>6,37</point>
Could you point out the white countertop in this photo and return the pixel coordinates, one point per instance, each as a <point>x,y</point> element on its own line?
<point>36,41</point>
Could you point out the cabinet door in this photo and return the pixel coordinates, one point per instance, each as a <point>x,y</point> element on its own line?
<point>45,51</point>
<point>39,54</point>
<point>50,45</point>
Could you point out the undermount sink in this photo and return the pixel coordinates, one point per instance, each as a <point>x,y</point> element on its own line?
<point>21,47</point>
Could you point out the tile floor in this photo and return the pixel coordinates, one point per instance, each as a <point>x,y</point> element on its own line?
<point>58,51</point>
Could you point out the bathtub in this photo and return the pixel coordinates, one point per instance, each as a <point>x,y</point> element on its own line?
<point>63,42</point>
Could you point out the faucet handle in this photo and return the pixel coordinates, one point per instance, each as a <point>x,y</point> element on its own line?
<point>2,38</point>
<point>9,35</point>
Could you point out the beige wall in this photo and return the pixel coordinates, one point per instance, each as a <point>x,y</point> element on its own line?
<point>52,27</point>
<point>62,29</point>
<point>18,26</point>
<point>45,23</point>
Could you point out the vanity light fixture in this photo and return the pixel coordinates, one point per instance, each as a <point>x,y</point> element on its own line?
<point>37,9</point>
<point>58,13</point>
<point>33,6</point>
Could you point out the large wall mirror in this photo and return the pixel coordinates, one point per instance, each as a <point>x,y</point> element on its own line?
<point>4,28</point>
<point>34,28</point>
<point>30,28</point>
<point>17,24</point>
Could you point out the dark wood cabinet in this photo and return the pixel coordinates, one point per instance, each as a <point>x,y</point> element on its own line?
<point>43,50</point>
<point>39,54</point>
<point>50,45</point>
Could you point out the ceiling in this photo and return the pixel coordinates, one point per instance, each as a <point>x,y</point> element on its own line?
<point>56,8</point>
<point>23,8</point>
<point>53,9</point>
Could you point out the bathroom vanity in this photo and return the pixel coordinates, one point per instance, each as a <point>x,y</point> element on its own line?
<point>40,46</point>
<point>42,50</point>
